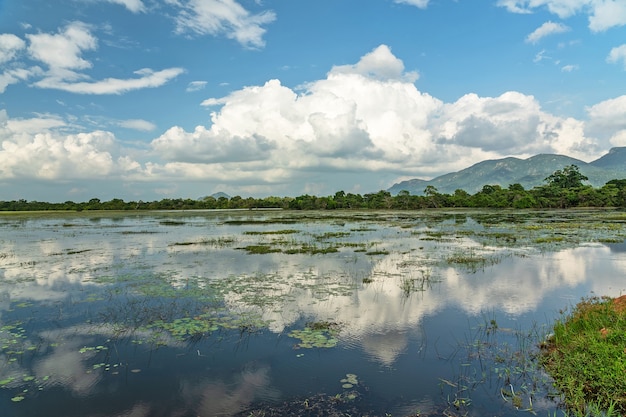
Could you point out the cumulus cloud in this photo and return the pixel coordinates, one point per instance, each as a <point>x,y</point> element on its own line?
<point>380,64</point>
<point>222,17</point>
<point>359,123</point>
<point>36,149</point>
<point>607,119</point>
<point>603,14</point>
<point>618,54</point>
<point>368,117</point>
<point>548,28</point>
<point>511,124</point>
<point>209,146</point>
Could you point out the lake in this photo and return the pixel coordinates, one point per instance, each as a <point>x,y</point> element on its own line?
<point>252,313</point>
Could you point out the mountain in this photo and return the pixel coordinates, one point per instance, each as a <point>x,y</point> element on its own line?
<point>216,196</point>
<point>529,172</point>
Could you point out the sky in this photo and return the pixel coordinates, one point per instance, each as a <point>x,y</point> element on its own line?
<point>154,99</point>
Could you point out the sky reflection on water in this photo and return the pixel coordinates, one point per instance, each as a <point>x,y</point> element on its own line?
<point>403,313</point>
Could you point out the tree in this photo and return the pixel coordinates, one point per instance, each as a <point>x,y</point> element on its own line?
<point>569,177</point>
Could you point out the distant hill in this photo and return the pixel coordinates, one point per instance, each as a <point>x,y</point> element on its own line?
<point>216,196</point>
<point>529,173</point>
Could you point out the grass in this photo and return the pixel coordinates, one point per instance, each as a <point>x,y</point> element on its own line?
<point>586,355</point>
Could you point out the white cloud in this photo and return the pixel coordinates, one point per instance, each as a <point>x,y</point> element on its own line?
<point>137,124</point>
<point>548,28</point>
<point>607,14</point>
<point>380,64</point>
<point>196,86</point>
<point>15,75</point>
<point>569,68</point>
<point>619,138</point>
<point>62,54</point>
<point>10,45</point>
<point>562,8</point>
<point>358,124</point>
<point>603,14</point>
<point>62,51</point>
<point>367,117</point>
<point>36,149</point>
<point>618,54</point>
<point>135,6</point>
<point>422,4</point>
<point>148,78</point>
<point>511,124</point>
<point>607,118</point>
<point>222,17</point>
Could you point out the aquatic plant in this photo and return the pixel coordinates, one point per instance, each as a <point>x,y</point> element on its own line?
<point>260,249</point>
<point>317,335</point>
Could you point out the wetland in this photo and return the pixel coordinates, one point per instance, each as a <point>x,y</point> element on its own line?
<point>272,312</point>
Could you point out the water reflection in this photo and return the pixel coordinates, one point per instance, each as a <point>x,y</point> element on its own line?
<point>91,279</point>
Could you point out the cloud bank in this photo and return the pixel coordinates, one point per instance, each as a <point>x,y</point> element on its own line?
<point>361,122</point>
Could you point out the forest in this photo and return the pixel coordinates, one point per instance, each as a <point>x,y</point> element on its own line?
<point>565,188</point>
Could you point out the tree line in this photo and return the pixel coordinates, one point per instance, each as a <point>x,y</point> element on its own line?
<point>564,188</point>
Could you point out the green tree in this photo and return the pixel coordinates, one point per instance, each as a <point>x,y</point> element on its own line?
<point>568,177</point>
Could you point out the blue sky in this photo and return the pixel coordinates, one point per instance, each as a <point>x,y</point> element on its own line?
<point>152,99</point>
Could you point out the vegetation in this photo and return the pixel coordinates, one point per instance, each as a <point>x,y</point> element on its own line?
<point>586,355</point>
<point>563,189</point>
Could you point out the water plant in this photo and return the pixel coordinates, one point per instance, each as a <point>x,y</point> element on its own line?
<point>317,335</point>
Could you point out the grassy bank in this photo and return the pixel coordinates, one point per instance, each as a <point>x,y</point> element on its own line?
<point>586,356</point>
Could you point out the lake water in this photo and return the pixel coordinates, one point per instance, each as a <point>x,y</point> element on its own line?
<point>250,313</point>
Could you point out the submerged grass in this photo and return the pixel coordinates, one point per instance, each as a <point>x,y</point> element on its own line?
<point>586,355</point>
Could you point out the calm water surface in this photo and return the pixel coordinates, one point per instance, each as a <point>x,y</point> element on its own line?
<point>177,314</point>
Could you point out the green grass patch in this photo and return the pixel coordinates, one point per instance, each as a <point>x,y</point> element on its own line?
<point>586,355</point>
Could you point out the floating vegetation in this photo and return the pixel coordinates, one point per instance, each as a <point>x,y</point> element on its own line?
<point>317,335</point>
<point>70,252</point>
<point>218,242</point>
<point>549,239</point>
<point>349,381</point>
<point>377,252</point>
<point>260,249</point>
<point>332,235</point>
<point>95,349</point>
<point>312,249</point>
<point>193,328</point>
<point>272,232</point>
<point>266,221</point>
<point>172,223</point>
<point>471,261</point>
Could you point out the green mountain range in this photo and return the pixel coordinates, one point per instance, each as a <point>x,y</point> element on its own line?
<point>529,173</point>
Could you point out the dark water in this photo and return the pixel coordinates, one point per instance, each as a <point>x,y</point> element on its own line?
<point>166,314</point>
